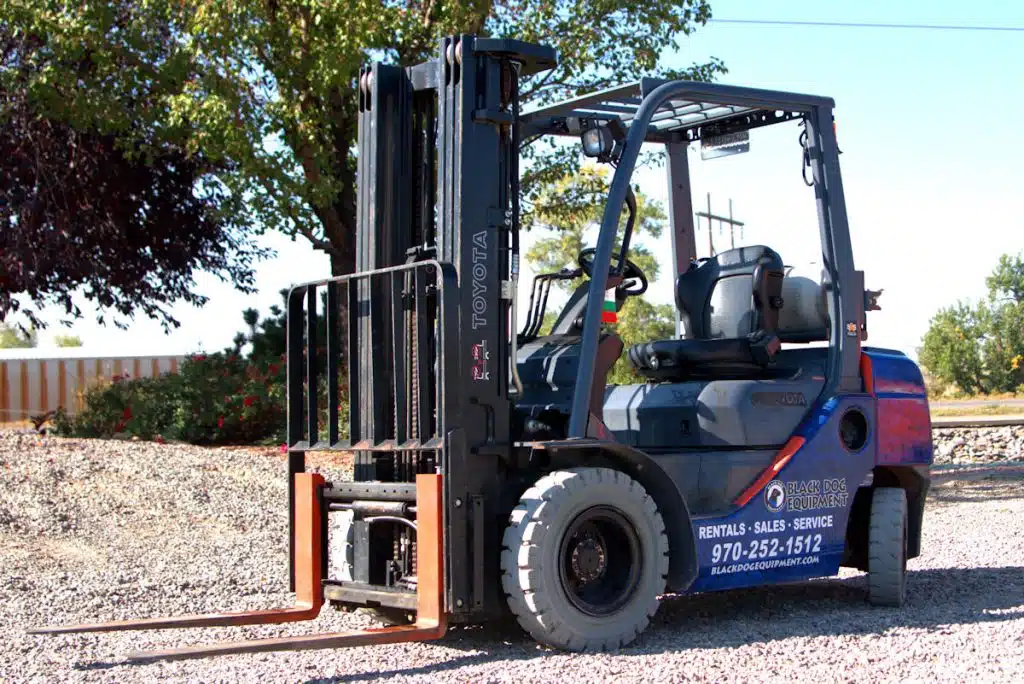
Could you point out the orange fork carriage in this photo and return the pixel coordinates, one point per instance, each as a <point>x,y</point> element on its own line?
<point>309,571</point>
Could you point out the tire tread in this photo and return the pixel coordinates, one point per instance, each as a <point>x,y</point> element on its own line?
<point>530,524</point>
<point>887,547</point>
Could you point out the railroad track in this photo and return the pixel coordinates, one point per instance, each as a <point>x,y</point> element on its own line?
<point>981,471</point>
<point>976,421</point>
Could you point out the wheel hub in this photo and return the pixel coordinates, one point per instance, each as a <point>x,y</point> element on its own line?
<point>600,561</point>
<point>589,559</point>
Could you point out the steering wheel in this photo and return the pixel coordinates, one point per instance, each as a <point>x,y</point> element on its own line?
<point>630,272</point>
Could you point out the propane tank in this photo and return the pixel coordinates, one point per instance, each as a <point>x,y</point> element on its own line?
<point>804,303</point>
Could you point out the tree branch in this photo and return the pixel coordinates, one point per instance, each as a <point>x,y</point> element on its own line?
<point>300,226</point>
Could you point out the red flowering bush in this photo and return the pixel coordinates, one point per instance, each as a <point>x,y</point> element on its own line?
<point>133,407</point>
<point>214,399</point>
<point>220,398</point>
<point>227,399</point>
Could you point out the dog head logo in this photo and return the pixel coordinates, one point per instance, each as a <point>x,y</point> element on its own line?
<point>775,496</point>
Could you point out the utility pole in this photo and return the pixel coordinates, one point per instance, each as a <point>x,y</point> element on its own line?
<point>722,221</point>
<point>732,228</point>
<point>711,244</point>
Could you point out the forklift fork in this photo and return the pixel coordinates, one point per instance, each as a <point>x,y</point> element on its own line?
<point>430,618</point>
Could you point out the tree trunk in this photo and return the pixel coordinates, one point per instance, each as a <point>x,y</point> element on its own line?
<point>342,236</point>
<point>343,264</point>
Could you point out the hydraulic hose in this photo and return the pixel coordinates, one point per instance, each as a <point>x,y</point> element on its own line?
<point>514,173</point>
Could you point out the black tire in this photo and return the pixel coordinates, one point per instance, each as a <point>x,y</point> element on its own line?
<point>585,558</point>
<point>887,547</point>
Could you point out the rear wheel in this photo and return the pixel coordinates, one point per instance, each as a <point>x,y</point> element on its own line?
<point>887,547</point>
<point>585,557</point>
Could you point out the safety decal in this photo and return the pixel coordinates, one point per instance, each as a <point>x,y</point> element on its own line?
<point>480,360</point>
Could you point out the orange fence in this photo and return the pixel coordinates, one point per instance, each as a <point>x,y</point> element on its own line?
<point>31,387</point>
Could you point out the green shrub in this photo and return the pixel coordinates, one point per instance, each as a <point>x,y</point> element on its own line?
<point>225,399</point>
<point>214,399</point>
<point>230,397</point>
<point>135,407</point>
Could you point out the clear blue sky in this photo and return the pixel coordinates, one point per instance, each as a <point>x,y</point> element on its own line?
<point>929,124</point>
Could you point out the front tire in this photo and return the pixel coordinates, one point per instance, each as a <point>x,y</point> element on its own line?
<point>585,558</point>
<point>887,547</point>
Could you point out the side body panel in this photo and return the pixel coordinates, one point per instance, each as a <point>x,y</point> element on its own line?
<point>794,526</point>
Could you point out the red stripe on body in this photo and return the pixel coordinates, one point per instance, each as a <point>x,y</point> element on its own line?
<point>769,473</point>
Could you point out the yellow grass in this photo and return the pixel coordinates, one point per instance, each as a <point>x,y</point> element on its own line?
<point>952,394</point>
<point>988,410</point>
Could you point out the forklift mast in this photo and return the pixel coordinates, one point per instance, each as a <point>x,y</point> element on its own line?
<point>430,307</point>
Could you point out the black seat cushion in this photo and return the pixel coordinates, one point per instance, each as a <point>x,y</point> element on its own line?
<point>679,359</point>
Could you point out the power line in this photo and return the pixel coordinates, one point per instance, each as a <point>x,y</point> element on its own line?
<point>851,24</point>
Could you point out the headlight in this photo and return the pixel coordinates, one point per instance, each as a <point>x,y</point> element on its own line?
<point>598,142</point>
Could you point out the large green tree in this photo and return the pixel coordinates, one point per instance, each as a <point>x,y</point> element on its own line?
<point>980,348</point>
<point>101,197</point>
<point>950,349</point>
<point>264,90</point>
<point>569,212</point>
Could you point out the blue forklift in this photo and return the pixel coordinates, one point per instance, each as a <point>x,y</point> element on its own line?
<point>497,474</point>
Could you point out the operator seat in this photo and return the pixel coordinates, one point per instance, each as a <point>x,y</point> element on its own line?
<point>729,305</point>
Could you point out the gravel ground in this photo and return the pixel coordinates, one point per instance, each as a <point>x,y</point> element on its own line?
<point>108,530</point>
<point>963,446</point>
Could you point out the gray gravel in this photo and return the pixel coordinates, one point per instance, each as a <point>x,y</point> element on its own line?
<point>968,446</point>
<point>107,530</point>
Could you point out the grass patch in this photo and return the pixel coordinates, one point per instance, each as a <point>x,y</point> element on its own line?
<point>960,396</point>
<point>987,410</point>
